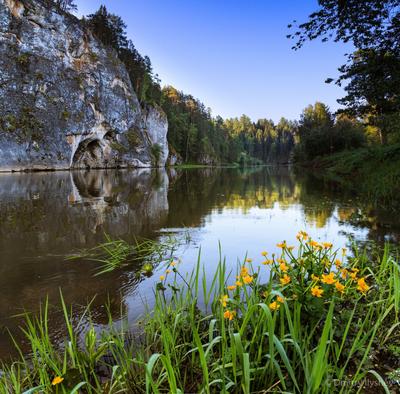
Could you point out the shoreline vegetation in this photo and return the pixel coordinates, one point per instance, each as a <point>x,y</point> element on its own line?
<point>377,166</point>
<point>311,319</point>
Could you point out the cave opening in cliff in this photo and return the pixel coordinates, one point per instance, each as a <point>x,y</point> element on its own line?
<point>89,154</point>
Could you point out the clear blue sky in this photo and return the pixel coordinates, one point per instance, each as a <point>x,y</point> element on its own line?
<point>232,54</point>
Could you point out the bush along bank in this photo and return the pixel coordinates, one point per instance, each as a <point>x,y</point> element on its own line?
<point>378,167</point>
<point>323,322</point>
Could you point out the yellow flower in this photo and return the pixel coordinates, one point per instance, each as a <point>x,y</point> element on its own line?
<point>248,260</point>
<point>274,306</point>
<point>223,300</point>
<point>281,245</point>
<point>162,277</point>
<point>244,271</point>
<point>316,291</point>
<point>353,275</point>
<point>168,271</point>
<point>290,248</point>
<point>327,245</point>
<point>304,234</point>
<point>338,263</point>
<point>267,262</point>
<point>280,299</point>
<point>229,314</point>
<point>313,244</point>
<point>339,287</point>
<point>285,280</point>
<point>314,277</point>
<point>238,283</point>
<point>247,279</point>
<point>57,380</point>
<point>173,264</point>
<point>264,253</point>
<point>362,286</point>
<point>283,267</point>
<point>344,273</point>
<point>231,287</point>
<point>328,279</point>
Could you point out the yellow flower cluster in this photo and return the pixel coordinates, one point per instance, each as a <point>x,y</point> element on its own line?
<point>244,277</point>
<point>275,305</point>
<point>316,272</point>
<point>326,270</point>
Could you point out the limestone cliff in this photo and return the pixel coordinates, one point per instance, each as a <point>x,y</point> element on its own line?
<point>66,100</point>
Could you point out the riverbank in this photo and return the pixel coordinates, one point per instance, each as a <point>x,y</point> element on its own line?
<point>323,322</point>
<point>378,167</point>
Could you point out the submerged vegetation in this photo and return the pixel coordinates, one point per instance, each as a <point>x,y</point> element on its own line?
<point>113,254</point>
<point>309,319</point>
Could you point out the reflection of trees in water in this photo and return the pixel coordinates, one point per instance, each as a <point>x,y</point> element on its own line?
<point>195,193</point>
<point>321,197</point>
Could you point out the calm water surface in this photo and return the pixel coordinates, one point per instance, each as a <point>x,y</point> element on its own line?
<point>46,216</point>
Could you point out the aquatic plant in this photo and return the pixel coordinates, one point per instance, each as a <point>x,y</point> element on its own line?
<point>321,323</point>
<point>117,253</point>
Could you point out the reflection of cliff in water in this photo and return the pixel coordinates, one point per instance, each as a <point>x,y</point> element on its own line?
<point>54,210</point>
<point>43,217</point>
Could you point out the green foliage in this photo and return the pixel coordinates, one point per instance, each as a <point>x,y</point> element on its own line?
<point>65,115</point>
<point>263,140</point>
<point>63,5</point>
<point>25,126</point>
<point>192,131</point>
<point>156,151</point>
<point>117,146</point>
<point>133,137</point>
<point>372,73</point>
<point>367,24</point>
<point>378,167</point>
<point>23,61</point>
<point>319,133</point>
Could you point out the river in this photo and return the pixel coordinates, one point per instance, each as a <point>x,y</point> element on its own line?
<point>47,216</point>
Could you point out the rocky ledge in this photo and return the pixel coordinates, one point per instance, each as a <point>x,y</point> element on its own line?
<point>67,101</point>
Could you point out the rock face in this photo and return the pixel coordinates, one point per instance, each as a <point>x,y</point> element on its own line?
<point>157,127</point>
<point>67,101</point>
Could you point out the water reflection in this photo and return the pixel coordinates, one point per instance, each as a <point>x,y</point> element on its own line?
<point>44,216</point>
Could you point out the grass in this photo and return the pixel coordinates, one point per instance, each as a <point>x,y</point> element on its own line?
<point>319,320</point>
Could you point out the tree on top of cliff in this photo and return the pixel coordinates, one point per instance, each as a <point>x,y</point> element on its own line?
<point>63,5</point>
<point>108,28</point>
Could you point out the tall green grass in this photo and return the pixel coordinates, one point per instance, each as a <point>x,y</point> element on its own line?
<point>192,347</point>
